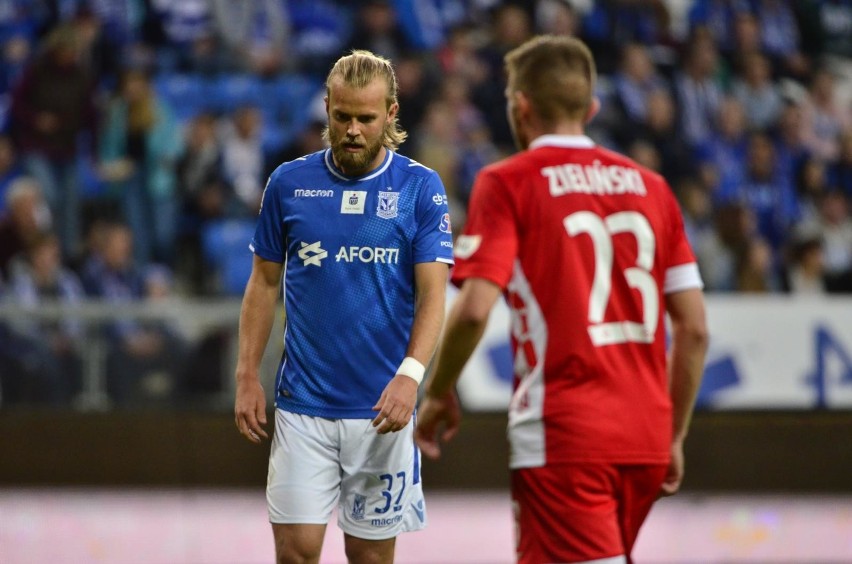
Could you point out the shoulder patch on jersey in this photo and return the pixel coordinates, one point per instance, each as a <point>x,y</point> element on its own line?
<point>466,245</point>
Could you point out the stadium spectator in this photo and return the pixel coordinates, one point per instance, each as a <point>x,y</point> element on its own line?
<point>824,119</point>
<point>634,82</point>
<point>436,147</point>
<point>771,197</point>
<point>510,26</point>
<point>780,36</point>
<point>557,17</point>
<point>756,91</point>
<point>789,136</point>
<point>716,17</point>
<point>612,24</point>
<point>722,156</point>
<point>840,171</point>
<point>10,168</point>
<point>52,105</point>
<point>805,272</point>
<point>143,364</point>
<point>321,31</point>
<point>106,32</point>
<point>660,130</point>
<point>26,217</point>
<point>378,30</point>
<point>181,32</point>
<point>204,195</point>
<point>243,159</point>
<point>418,81</point>
<point>835,229</point>
<point>811,184</point>
<point>757,270</point>
<point>139,146</point>
<point>747,41</point>
<point>254,35</point>
<point>698,89</point>
<point>715,260</point>
<point>45,354</point>
<point>579,419</point>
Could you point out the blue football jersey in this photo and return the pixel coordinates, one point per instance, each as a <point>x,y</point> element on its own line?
<point>349,245</point>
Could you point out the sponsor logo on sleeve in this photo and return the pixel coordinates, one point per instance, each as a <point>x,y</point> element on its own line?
<point>466,245</point>
<point>353,201</point>
<point>388,205</point>
<point>445,226</point>
<point>439,199</point>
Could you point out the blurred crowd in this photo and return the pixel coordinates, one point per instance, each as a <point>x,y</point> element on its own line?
<point>136,137</point>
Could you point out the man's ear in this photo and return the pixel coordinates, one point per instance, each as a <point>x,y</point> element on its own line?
<point>594,108</point>
<point>392,111</point>
<point>325,99</point>
<point>522,103</point>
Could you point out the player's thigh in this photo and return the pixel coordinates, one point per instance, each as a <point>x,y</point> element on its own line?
<point>298,543</point>
<point>381,490</point>
<point>567,513</point>
<point>304,477</point>
<point>640,487</point>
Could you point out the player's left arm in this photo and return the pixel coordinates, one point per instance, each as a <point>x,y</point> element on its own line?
<point>686,367</point>
<point>397,402</point>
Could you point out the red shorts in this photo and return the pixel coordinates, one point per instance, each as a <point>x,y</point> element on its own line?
<point>579,512</point>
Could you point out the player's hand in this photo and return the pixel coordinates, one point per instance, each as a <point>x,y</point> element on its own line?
<point>674,476</point>
<point>396,405</point>
<point>250,409</point>
<point>434,414</point>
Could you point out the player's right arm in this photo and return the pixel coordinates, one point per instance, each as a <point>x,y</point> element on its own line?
<point>256,319</point>
<point>466,324</point>
<point>686,366</point>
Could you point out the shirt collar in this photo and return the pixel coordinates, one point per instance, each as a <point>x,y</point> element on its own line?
<point>568,141</point>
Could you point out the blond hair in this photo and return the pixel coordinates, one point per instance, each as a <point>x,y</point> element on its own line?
<point>359,69</point>
<point>556,73</point>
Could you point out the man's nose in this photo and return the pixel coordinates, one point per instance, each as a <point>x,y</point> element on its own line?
<point>352,129</point>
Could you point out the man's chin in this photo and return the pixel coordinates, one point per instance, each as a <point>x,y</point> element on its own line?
<point>352,167</point>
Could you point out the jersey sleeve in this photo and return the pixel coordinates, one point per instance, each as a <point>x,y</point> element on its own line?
<point>433,241</point>
<point>681,268</point>
<point>489,244</point>
<point>268,241</point>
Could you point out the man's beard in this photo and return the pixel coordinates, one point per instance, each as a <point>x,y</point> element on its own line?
<point>353,164</point>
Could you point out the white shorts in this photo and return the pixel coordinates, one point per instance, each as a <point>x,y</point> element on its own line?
<point>374,479</point>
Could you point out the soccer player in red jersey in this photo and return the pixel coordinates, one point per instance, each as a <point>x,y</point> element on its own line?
<point>589,250</point>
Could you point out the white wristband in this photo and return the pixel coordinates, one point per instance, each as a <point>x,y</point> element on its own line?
<point>412,368</point>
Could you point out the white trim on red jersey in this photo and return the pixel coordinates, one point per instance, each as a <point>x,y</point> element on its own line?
<point>526,410</point>
<point>570,141</point>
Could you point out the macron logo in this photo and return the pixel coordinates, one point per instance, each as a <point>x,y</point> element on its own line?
<point>312,254</point>
<point>304,193</point>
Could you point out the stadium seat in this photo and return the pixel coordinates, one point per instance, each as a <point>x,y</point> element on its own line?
<point>225,247</point>
<point>287,99</point>
<point>228,92</point>
<point>185,93</point>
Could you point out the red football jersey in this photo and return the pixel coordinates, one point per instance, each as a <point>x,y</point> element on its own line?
<point>585,243</point>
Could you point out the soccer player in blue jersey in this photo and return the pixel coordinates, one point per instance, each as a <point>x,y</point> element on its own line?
<point>362,238</point>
